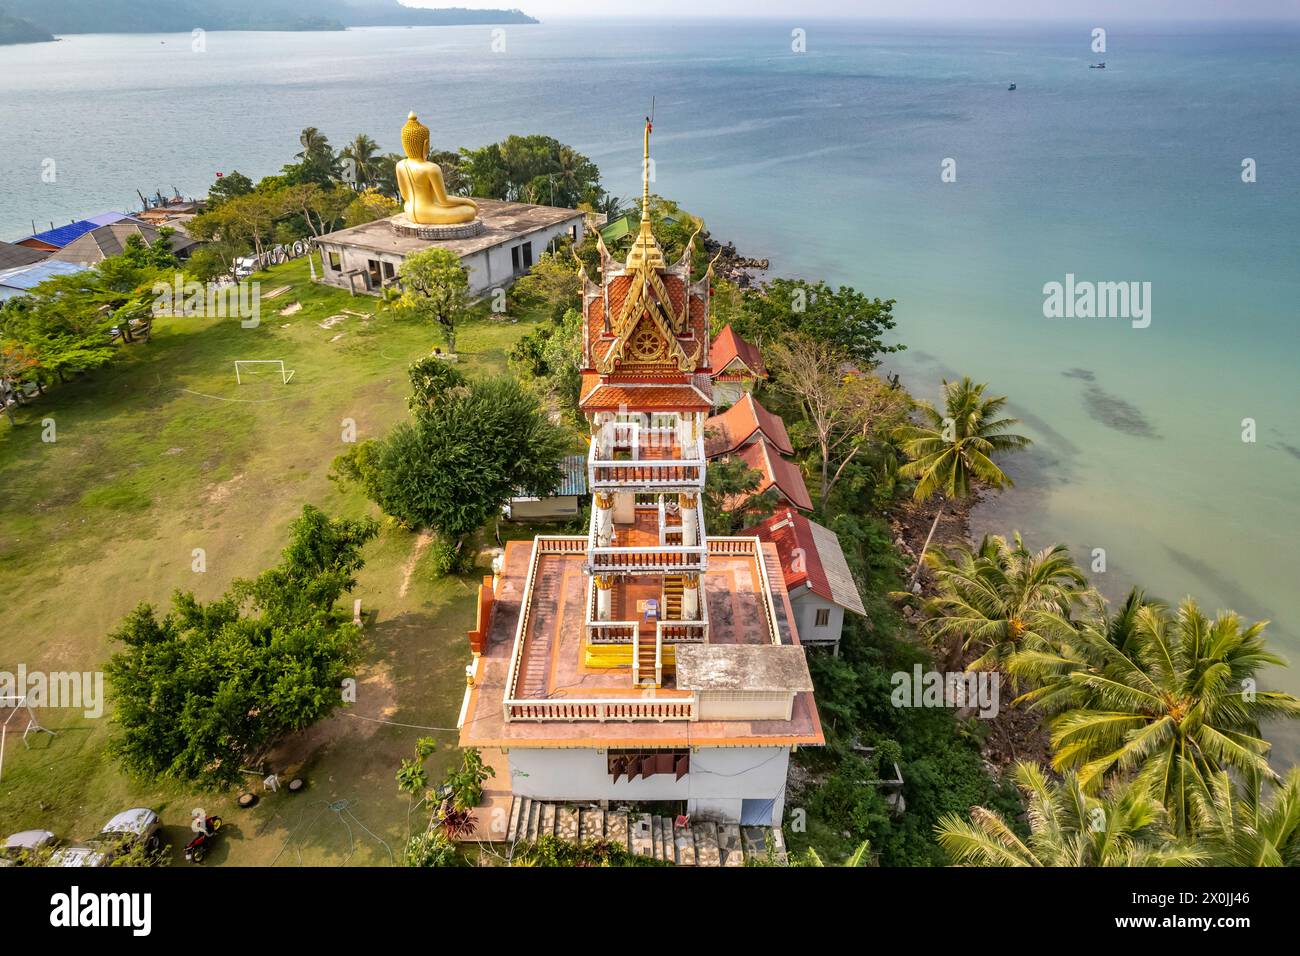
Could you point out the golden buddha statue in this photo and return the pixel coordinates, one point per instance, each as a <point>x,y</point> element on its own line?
<point>420,182</point>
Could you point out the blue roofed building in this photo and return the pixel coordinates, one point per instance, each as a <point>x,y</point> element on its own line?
<point>22,279</point>
<point>52,240</point>
<point>564,503</point>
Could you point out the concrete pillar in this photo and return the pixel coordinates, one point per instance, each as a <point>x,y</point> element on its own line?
<point>691,597</point>
<point>603,502</point>
<point>604,595</point>
<point>690,529</point>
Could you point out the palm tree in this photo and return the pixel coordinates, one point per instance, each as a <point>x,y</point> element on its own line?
<point>363,154</point>
<point>951,451</point>
<point>1248,832</point>
<point>1002,596</point>
<point>1045,665</point>
<point>313,142</point>
<point>859,857</point>
<point>1127,826</point>
<point>1175,698</point>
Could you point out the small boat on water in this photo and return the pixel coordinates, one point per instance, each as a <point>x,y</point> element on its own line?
<point>1011,87</point>
<point>1097,66</point>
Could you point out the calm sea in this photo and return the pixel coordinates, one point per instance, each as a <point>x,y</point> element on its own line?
<point>829,161</point>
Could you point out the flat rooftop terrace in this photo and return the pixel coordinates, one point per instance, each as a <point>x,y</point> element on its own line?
<point>502,221</point>
<point>552,679</point>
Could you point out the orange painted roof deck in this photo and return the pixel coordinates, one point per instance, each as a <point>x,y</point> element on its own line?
<point>552,666</point>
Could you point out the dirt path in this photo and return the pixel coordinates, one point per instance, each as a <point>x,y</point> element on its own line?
<point>408,569</point>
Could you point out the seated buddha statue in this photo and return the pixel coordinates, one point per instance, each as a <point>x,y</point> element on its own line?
<point>420,182</point>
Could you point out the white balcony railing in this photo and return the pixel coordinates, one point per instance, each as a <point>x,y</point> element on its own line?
<point>571,709</point>
<point>650,558</point>
<point>606,473</point>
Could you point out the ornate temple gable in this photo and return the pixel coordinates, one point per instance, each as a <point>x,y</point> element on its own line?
<point>647,320</point>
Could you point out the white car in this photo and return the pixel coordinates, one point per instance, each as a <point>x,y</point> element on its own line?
<point>19,845</point>
<point>120,834</point>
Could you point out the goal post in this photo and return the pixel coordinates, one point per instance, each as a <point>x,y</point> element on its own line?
<point>285,374</point>
<point>14,704</point>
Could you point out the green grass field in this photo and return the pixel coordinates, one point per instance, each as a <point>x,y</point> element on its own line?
<point>161,454</point>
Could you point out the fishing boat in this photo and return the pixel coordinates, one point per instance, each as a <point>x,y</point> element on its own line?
<point>1011,87</point>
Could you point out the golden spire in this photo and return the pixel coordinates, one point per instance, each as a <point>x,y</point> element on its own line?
<point>645,248</point>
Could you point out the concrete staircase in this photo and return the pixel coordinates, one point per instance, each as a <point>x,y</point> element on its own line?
<point>644,834</point>
<point>673,584</point>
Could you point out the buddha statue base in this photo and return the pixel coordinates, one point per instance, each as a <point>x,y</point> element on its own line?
<point>403,226</point>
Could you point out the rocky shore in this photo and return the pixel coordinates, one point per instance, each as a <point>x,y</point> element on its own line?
<point>731,265</point>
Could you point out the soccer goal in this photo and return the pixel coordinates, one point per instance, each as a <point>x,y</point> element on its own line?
<point>285,374</point>
<point>11,705</point>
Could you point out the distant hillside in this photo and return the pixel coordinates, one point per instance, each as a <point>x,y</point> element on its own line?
<point>390,13</point>
<point>182,16</point>
<point>16,30</point>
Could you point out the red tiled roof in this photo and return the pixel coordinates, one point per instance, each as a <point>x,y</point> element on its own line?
<point>777,472</point>
<point>727,432</point>
<point>727,347</point>
<point>810,555</point>
<point>610,398</point>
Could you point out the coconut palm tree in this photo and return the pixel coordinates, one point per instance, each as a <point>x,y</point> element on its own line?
<point>1176,700</point>
<point>859,857</point>
<point>1248,832</point>
<point>1127,826</point>
<point>363,155</point>
<point>1045,665</point>
<point>952,450</point>
<point>1002,596</point>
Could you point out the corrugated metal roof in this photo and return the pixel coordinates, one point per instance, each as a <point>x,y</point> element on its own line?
<point>28,277</point>
<point>13,256</point>
<point>575,476</point>
<point>62,235</point>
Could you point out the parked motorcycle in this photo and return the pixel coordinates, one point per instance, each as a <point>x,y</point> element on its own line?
<point>197,848</point>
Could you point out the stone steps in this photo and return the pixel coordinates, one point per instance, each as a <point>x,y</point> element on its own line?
<point>702,844</point>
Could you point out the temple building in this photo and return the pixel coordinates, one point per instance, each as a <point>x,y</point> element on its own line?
<point>496,241</point>
<point>737,366</point>
<point>647,661</point>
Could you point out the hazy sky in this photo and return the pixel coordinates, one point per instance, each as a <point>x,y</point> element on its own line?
<point>1001,9</point>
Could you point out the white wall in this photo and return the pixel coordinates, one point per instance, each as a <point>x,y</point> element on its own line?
<point>806,606</point>
<point>720,777</point>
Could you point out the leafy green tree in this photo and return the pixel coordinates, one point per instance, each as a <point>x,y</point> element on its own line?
<point>470,446</point>
<point>845,415</point>
<point>1176,702</point>
<point>1126,826</point>
<point>843,317</point>
<point>550,358</point>
<point>952,449</point>
<point>551,284</point>
<point>731,497</point>
<point>435,286</point>
<point>227,187</point>
<point>1002,596</point>
<point>204,690</point>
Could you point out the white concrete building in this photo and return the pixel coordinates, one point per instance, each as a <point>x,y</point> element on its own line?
<point>817,576</point>
<point>500,245</point>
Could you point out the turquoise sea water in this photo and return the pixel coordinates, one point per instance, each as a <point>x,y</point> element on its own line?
<point>829,163</point>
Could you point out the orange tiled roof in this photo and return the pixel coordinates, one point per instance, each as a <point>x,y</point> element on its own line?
<point>777,473</point>
<point>727,347</point>
<point>597,397</point>
<point>730,430</point>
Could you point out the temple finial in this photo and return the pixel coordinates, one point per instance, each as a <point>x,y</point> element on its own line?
<point>645,173</point>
